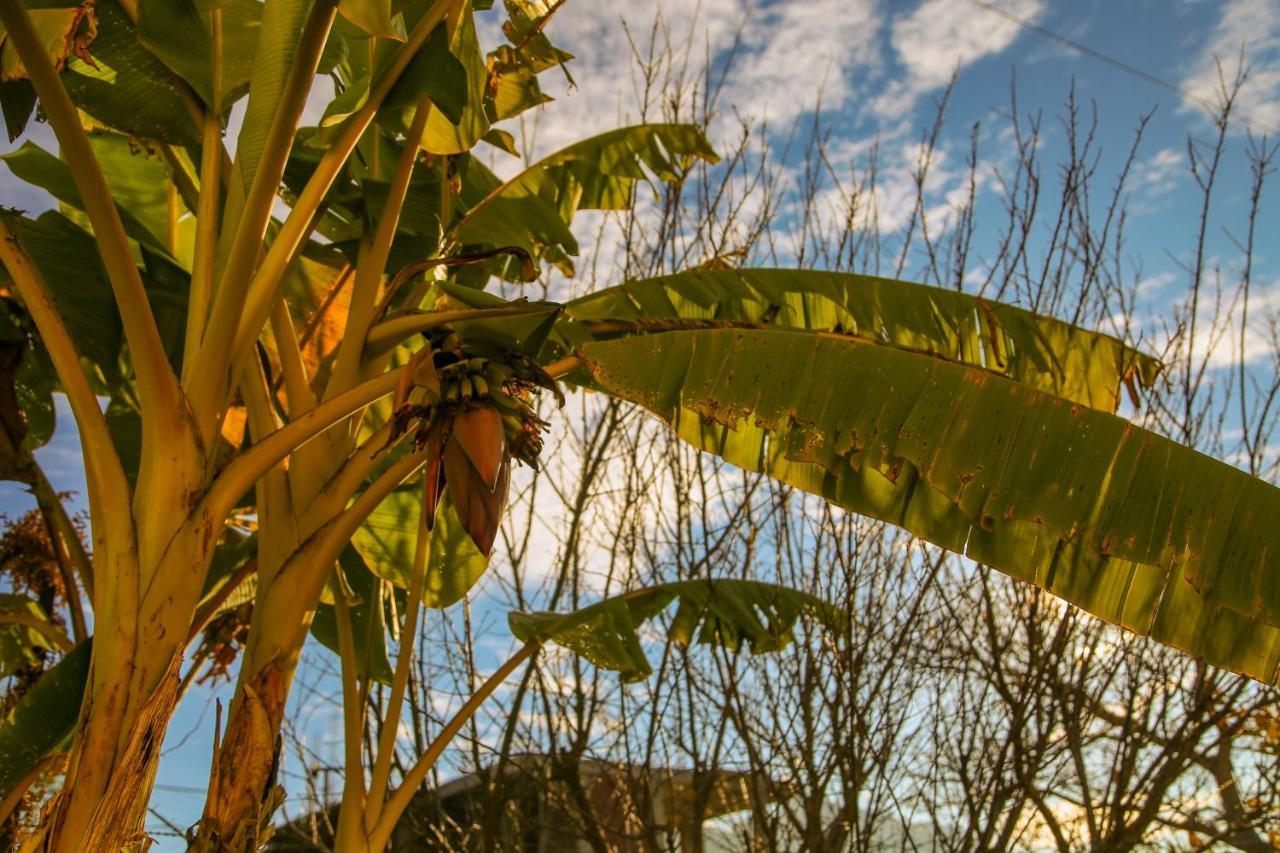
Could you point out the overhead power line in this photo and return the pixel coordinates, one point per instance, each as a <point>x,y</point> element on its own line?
<point>1118,64</point>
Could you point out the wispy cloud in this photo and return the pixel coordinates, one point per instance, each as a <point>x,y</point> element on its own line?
<point>1248,30</point>
<point>786,55</point>
<point>942,36</point>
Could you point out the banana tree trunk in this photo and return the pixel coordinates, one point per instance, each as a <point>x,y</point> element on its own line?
<point>149,562</point>
<point>129,700</point>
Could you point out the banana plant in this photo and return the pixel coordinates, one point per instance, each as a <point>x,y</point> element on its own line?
<point>314,403</point>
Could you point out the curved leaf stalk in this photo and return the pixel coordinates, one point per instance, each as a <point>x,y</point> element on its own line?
<point>381,771</point>
<point>104,474</point>
<point>315,457</point>
<point>157,386</point>
<point>245,470</point>
<point>393,331</point>
<point>284,248</point>
<point>364,294</point>
<point>353,702</point>
<point>209,377</point>
<point>417,774</point>
<point>206,240</point>
<point>297,384</point>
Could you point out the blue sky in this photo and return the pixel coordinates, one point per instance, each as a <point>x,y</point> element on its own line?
<point>880,67</point>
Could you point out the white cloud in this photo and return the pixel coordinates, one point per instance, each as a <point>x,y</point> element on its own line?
<point>787,56</point>
<point>1251,27</point>
<point>941,36</point>
<point>1158,174</point>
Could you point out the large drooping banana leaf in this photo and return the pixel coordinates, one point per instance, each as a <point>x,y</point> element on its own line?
<point>1125,523</point>
<point>36,166</point>
<point>1046,353</point>
<point>726,612</point>
<point>533,210</point>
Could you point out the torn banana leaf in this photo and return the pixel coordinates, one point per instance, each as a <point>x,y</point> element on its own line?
<point>1125,523</point>
<point>534,209</point>
<point>727,613</point>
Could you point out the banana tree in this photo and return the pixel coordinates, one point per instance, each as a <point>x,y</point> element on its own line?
<point>314,402</point>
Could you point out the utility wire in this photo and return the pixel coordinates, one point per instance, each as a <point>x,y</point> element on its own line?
<point>1118,64</point>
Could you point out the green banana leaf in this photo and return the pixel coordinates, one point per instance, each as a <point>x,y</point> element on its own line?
<point>131,190</point>
<point>1083,366</point>
<point>387,539</point>
<point>533,210</point>
<point>368,625</point>
<point>1122,522</point>
<point>373,16</point>
<point>177,32</point>
<point>727,612</point>
<point>126,87</point>
<point>44,718</point>
<point>19,642</point>
<point>67,258</point>
<point>282,23</point>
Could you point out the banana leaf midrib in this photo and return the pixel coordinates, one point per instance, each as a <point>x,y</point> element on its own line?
<point>1048,353</point>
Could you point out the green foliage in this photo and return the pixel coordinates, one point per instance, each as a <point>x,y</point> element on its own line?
<point>44,717</point>
<point>178,34</point>
<point>1043,352</point>
<point>368,618</point>
<point>282,23</point>
<point>1131,526</point>
<point>125,86</point>
<point>727,612</point>
<point>19,640</point>
<point>386,542</point>
<point>534,209</point>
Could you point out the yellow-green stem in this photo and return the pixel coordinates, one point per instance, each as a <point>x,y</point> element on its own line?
<point>297,226</point>
<point>208,380</point>
<point>245,470</point>
<point>157,386</point>
<point>418,773</point>
<point>206,240</point>
<point>404,658</point>
<point>108,486</point>
<point>364,295</point>
<point>565,366</point>
<point>297,384</point>
<point>350,833</point>
<point>391,332</point>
